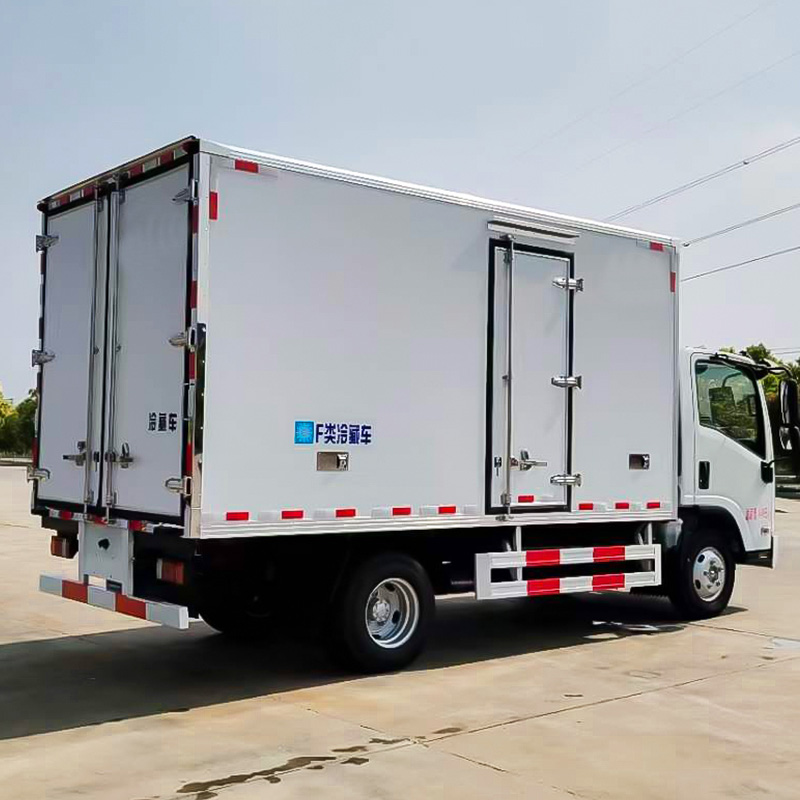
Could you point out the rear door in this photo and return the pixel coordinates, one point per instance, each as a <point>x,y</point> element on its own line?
<point>71,354</point>
<point>149,286</point>
<point>530,395</point>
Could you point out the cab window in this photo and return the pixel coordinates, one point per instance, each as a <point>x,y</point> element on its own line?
<point>728,400</point>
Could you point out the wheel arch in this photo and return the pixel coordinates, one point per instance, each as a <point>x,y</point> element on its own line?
<point>719,519</point>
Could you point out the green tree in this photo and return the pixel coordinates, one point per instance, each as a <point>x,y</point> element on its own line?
<point>17,424</point>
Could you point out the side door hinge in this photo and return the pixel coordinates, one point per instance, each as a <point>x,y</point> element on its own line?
<point>567,381</point>
<point>182,486</point>
<point>39,357</point>
<point>566,480</point>
<point>189,194</point>
<point>43,241</point>
<point>569,284</point>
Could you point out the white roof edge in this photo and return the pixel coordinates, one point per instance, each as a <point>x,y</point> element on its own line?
<point>442,195</point>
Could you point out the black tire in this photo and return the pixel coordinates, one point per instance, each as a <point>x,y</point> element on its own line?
<point>242,613</point>
<point>351,640</point>
<point>683,587</point>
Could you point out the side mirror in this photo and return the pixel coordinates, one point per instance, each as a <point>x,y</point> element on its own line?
<point>794,440</point>
<point>790,411</point>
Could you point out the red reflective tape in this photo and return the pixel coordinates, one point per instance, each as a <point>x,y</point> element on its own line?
<point>130,606</point>
<point>213,205</point>
<point>65,515</point>
<point>97,520</point>
<point>654,504</point>
<point>167,157</point>
<point>600,582</point>
<point>542,558</point>
<point>345,512</point>
<point>447,509</point>
<point>35,451</point>
<point>193,295</point>
<point>544,586</point>
<point>63,200</point>
<point>136,525</point>
<point>191,366</point>
<point>75,591</point>
<point>88,191</point>
<point>237,516</point>
<point>136,170</point>
<point>195,219</point>
<point>189,459</point>
<point>612,553</point>
<point>657,246</point>
<point>292,513</point>
<point>401,511</point>
<point>245,166</point>
<point>672,281</point>
<point>622,505</point>
<point>526,498</point>
<point>585,506</point>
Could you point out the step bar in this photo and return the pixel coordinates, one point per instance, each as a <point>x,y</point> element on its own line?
<point>487,589</point>
<point>169,614</point>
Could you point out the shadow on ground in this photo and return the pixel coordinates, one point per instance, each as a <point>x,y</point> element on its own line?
<point>57,684</point>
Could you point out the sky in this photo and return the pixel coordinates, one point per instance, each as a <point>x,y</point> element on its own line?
<point>584,107</point>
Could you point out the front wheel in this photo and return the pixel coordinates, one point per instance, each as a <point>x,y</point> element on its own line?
<point>700,580</point>
<point>383,613</point>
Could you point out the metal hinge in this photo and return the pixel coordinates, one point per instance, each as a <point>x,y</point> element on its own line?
<point>566,480</point>
<point>39,357</point>
<point>183,339</point>
<point>187,195</point>
<point>182,486</point>
<point>40,474</point>
<point>43,241</point>
<point>567,381</point>
<point>570,284</point>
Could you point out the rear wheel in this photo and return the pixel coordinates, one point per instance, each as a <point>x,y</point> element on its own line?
<point>700,580</point>
<point>383,613</point>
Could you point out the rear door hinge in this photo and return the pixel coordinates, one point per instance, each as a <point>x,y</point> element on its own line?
<point>187,195</point>
<point>182,486</point>
<point>567,381</point>
<point>37,474</point>
<point>39,357</point>
<point>566,480</point>
<point>43,241</point>
<point>185,338</point>
<point>569,284</point>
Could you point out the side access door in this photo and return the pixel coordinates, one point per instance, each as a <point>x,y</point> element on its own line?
<point>149,294</point>
<point>71,354</point>
<point>530,380</point>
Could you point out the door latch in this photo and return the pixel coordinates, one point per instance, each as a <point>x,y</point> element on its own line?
<point>525,462</point>
<point>180,486</point>
<point>39,357</point>
<point>125,458</point>
<point>79,458</point>
<point>567,381</point>
<point>566,480</point>
<point>569,284</point>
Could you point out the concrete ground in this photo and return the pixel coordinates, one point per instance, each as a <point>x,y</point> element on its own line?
<point>604,696</point>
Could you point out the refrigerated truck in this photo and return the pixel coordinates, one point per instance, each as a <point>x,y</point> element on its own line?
<point>273,390</point>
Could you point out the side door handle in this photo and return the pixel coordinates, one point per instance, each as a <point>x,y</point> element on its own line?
<point>703,474</point>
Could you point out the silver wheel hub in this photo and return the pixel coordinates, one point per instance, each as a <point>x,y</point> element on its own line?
<point>708,574</point>
<point>392,613</point>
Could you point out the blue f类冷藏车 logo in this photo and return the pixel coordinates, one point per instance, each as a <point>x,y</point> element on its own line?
<point>349,433</point>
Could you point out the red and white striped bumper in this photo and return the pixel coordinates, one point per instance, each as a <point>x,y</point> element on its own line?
<point>486,589</point>
<point>168,614</point>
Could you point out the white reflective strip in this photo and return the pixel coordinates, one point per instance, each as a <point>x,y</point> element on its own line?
<point>325,513</point>
<point>268,516</point>
<point>101,598</point>
<point>207,518</point>
<point>50,584</point>
<point>641,579</point>
<point>577,555</point>
<point>168,614</point>
<point>507,560</point>
<point>382,513</point>
<point>509,589</point>
<point>429,511</point>
<point>634,552</point>
<point>470,511</point>
<point>578,583</point>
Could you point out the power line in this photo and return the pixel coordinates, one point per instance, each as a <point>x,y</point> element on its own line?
<point>745,162</point>
<point>739,264</point>
<point>688,110</point>
<point>744,224</point>
<point>641,80</point>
